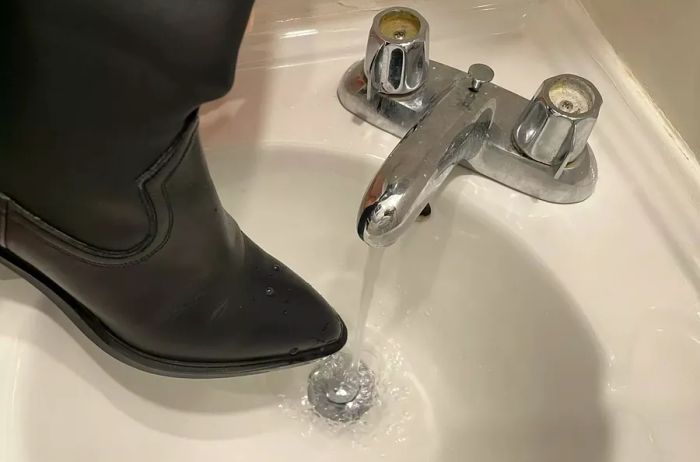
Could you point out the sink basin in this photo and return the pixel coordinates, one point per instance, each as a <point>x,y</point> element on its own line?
<point>503,329</point>
<point>475,342</point>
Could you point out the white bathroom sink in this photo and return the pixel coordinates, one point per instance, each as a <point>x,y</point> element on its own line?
<point>503,329</point>
<point>475,342</point>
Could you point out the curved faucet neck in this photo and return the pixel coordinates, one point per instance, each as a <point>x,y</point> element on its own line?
<point>452,130</point>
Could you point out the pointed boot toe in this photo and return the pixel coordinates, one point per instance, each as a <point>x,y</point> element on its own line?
<point>195,298</point>
<point>106,203</point>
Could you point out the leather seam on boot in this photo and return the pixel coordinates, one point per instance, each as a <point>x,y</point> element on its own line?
<point>3,220</point>
<point>164,168</point>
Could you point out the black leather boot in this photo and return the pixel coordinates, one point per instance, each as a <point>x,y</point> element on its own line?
<point>106,204</point>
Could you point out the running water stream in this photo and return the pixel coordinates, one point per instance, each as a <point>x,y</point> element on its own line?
<point>369,281</point>
<point>342,388</point>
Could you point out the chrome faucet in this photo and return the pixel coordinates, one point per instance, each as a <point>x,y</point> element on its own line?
<point>448,117</point>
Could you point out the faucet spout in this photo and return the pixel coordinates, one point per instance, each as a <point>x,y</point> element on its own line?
<point>453,130</point>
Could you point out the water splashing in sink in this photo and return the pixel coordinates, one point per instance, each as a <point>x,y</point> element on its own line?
<point>342,388</point>
<point>366,397</point>
<point>392,417</point>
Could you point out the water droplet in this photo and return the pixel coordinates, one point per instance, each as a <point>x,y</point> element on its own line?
<point>285,313</point>
<point>294,351</point>
<point>276,268</point>
<point>269,291</point>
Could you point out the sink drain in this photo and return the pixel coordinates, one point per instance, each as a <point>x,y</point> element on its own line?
<point>340,392</point>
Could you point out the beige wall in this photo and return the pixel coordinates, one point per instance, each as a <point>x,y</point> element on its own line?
<point>659,40</point>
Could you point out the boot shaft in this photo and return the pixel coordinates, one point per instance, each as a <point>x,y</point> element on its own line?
<point>95,92</point>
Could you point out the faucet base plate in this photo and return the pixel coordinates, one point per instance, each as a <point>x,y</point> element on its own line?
<point>498,157</point>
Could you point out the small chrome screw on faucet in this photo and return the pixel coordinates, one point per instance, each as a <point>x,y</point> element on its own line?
<point>479,75</point>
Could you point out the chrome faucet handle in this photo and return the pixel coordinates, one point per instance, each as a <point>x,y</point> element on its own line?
<point>396,61</point>
<point>555,126</point>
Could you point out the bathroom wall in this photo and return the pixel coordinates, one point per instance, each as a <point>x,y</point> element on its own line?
<point>659,40</point>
